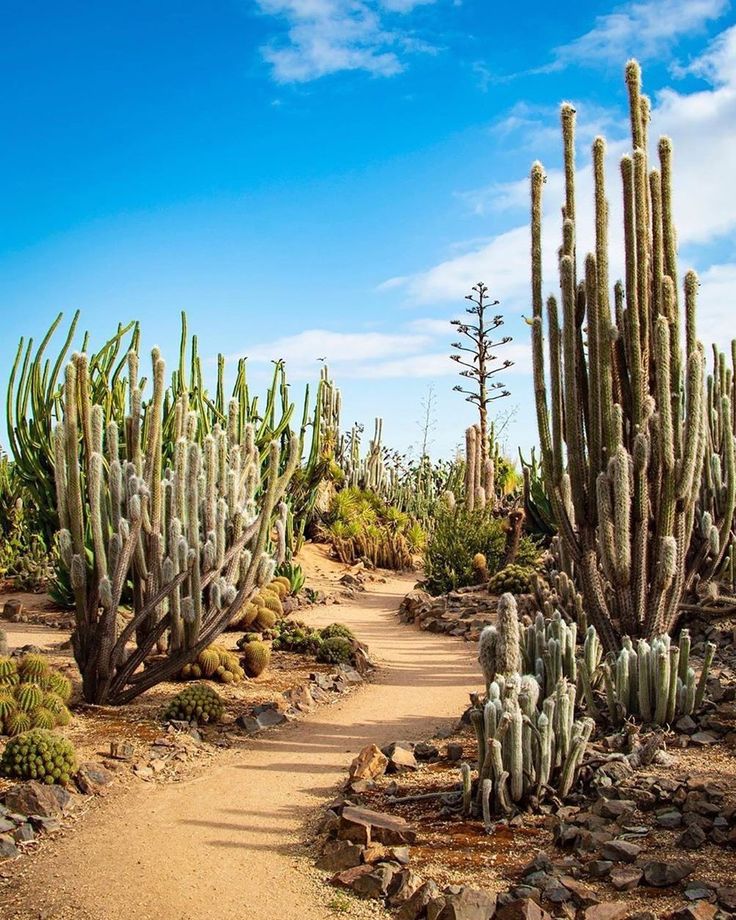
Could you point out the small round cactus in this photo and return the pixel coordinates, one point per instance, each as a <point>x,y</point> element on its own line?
<point>209,660</point>
<point>515,579</point>
<point>337,629</point>
<point>17,722</point>
<point>337,650</point>
<point>8,671</point>
<point>29,697</point>
<point>39,754</point>
<point>33,668</point>
<point>197,703</point>
<point>266,618</point>
<point>256,656</point>
<point>60,685</point>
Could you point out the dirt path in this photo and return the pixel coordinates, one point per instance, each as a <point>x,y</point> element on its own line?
<point>227,843</point>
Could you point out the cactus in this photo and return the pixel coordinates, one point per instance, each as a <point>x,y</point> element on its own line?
<point>3,644</point>
<point>623,430</point>
<point>499,646</point>
<point>655,682</point>
<point>39,754</point>
<point>335,650</point>
<point>526,750</point>
<point>191,537</point>
<point>28,698</point>
<point>198,703</point>
<point>514,578</point>
<point>256,657</point>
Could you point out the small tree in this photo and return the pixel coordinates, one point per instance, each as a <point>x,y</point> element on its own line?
<point>482,366</point>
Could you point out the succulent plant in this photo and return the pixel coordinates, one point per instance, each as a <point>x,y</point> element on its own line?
<point>215,663</point>
<point>337,629</point>
<point>513,578</point>
<point>197,703</point>
<point>336,650</point>
<point>526,750</point>
<point>256,657</point>
<point>39,754</point>
<point>33,668</point>
<point>27,696</point>
<point>499,646</point>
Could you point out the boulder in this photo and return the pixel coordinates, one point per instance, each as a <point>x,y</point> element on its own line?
<point>339,855</point>
<point>663,874</point>
<point>521,909</point>
<point>418,902</point>
<point>92,778</point>
<point>624,878</point>
<point>464,903</point>
<point>404,886</point>
<point>34,798</point>
<point>377,883</point>
<point>368,765</point>
<point>620,850</point>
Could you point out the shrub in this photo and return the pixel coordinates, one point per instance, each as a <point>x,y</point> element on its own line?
<point>458,536</point>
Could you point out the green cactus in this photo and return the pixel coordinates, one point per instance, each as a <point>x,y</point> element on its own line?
<point>335,650</point>
<point>256,658</point>
<point>41,755</point>
<point>198,703</point>
<point>516,579</point>
<point>623,428</point>
<point>27,699</point>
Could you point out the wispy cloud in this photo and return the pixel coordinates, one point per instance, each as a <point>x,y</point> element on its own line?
<point>328,36</point>
<point>642,29</point>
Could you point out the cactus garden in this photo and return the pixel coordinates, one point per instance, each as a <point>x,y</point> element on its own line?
<point>313,605</point>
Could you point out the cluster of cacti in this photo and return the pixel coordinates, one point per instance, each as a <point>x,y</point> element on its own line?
<point>40,755</point>
<point>214,663</point>
<point>256,657</point>
<point>335,649</point>
<point>624,430</point>
<point>516,579</point>
<point>479,470</point>
<point>191,537</point>
<point>549,650</point>
<point>525,749</point>
<point>197,703</point>
<point>654,681</point>
<point>294,574</point>
<point>557,591</point>
<point>264,608</point>
<point>32,695</point>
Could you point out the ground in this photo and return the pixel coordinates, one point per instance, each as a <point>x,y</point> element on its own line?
<point>230,836</point>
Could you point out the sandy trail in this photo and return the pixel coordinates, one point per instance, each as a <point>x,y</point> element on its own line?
<point>227,843</point>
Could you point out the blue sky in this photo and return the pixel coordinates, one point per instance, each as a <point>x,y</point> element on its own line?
<point>313,178</point>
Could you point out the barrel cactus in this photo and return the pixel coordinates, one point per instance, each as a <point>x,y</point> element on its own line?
<point>215,663</point>
<point>32,695</point>
<point>41,755</point>
<point>335,650</point>
<point>197,703</point>
<point>513,578</point>
<point>256,657</point>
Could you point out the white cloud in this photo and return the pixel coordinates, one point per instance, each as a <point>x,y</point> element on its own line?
<point>643,29</point>
<point>716,305</point>
<point>421,351</point>
<point>328,36</point>
<point>702,125</point>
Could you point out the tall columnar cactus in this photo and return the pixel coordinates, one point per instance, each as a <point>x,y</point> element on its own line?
<point>623,429</point>
<point>189,535</point>
<point>526,749</point>
<point>499,649</point>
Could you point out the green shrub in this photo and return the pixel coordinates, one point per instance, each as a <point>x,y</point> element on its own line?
<point>39,754</point>
<point>457,537</point>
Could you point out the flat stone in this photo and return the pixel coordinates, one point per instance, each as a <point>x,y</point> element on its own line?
<point>620,850</point>
<point>92,778</point>
<point>269,718</point>
<point>467,904</point>
<point>34,798</point>
<point>582,894</point>
<point>369,764</point>
<point>339,855</point>
<point>361,825</point>
<point>624,878</point>
<point>704,738</point>
<point>664,874</point>
<point>377,852</point>
<point>607,910</point>
<point>348,877</point>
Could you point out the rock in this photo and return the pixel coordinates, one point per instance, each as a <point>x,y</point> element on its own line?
<point>47,825</point>
<point>663,874</point>
<point>599,868</point>
<point>340,854</point>
<point>361,825</point>
<point>121,750</point>
<point>624,878</point>
<point>702,910</point>
<point>377,852</point>
<point>400,759</point>
<point>13,611</point>
<point>418,902</point>
<point>727,898</point>
<point>693,838</point>
<point>620,850</point>
<point>375,884</point>
<point>697,891</point>
<point>34,798</point>
<point>369,764</point>
<point>614,808</point>
<point>607,910</point>
<point>248,723</point>
<point>704,738</point>
<point>24,833</point>
<point>301,698</point>
<point>464,903</point>
<point>348,877</point>
<point>425,751</point>
<point>405,884</point>
<point>454,752</point>
<point>521,909</point>
<point>8,849</point>
<point>92,778</point>
<point>270,717</point>
<point>6,826</point>
<point>669,819</point>
<point>687,725</point>
<point>582,894</point>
